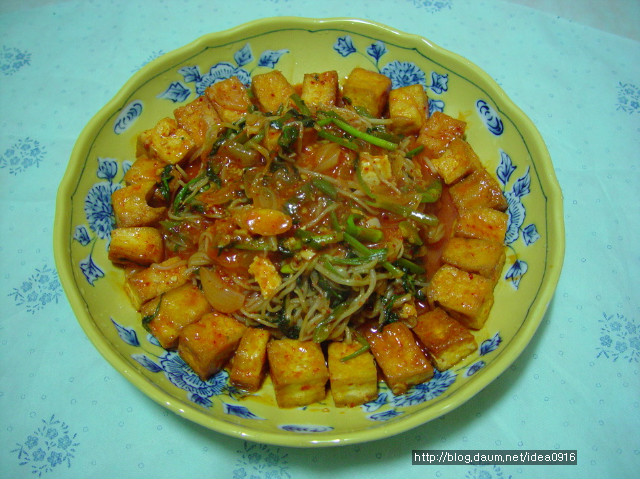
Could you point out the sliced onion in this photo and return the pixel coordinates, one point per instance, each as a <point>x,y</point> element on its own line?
<point>327,157</point>
<point>220,295</point>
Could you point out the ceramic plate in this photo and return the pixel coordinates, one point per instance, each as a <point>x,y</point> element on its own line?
<point>505,139</point>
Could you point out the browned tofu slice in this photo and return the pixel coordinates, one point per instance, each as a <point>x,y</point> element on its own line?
<point>229,98</point>
<point>458,161</point>
<point>408,107</point>
<point>298,372</point>
<point>447,341</point>
<point>354,381</point>
<point>146,284</point>
<point>137,244</point>
<point>401,360</point>
<point>484,223</point>
<point>368,90</point>
<point>209,343</point>
<point>320,89</point>
<point>166,315</point>
<point>131,205</point>
<point>479,189</point>
<point>468,297</point>
<point>480,256</point>
<point>272,90</point>
<point>250,360</point>
<point>144,169</point>
<point>438,132</point>
<point>196,118</point>
<point>166,141</point>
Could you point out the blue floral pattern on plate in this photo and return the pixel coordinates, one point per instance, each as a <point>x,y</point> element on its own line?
<point>489,117</point>
<point>99,214</point>
<point>127,117</point>
<point>517,212</point>
<point>179,92</point>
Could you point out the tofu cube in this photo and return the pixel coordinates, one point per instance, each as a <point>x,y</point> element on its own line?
<point>209,343</point>
<point>166,141</point>
<point>354,381</point>
<point>266,274</point>
<point>479,189</point>
<point>137,244</point>
<point>229,98</point>
<point>446,340</point>
<point>320,89</point>
<point>368,90</point>
<point>145,284</point>
<point>400,357</point>
<point>144,169</point>
<point>438,132</point>
<point>197,117</point>
<point>408,107</point>
<point>479,256</point>
<point>298,372</point>
<point>374,168</point>
<point>458,161</point>
<point>483,223</point>
<point>467,297</point>
<point>131,205</point>
<point>249,363</point>
<point>166,315</point>
<point>272,90</point>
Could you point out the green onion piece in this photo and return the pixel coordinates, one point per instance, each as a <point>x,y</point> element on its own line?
<point>410,266</point>
<point>414,152</point>
<point>256,244</point>
<point>374,140</point>
<point>335,224</point>
<point>327,188</point>
<point>356,353</point>
<point>377,254</point>
<point>327,135</point>
<point>364,251</point>
<point>150,317</point>
<point>317,241</point>
<point>384,135</point>
<point>422,218</point>
<point>324,121</point>
<point>300,104</point>
<point>184,193</point>
<point>365,347</point>
<point>286,269</point>
<point>370,235</point>
<point>321,332</point>
<point>397,272</point>
<point>432,193</point>
<point>288,136</point>
<point>165,178</point>
<point>213,174</point>
<point>336,295</point>
<point>358,247</point>
<point>289,246</point>
<point>333,270</point>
